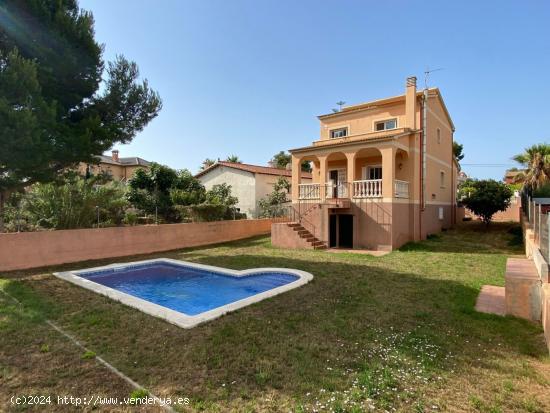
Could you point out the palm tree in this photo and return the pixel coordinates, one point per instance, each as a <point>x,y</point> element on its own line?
<point>234,159</point>
<point>536,161</point>
<point>207,163</point>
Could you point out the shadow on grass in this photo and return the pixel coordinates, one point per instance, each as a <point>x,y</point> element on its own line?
<point>474,237</point>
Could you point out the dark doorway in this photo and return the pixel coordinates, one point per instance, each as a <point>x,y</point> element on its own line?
<point>345,231</point>
<point>333,231</point>
<point>341,231</point>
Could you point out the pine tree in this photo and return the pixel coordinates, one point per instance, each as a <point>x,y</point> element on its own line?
<point>52,113</point>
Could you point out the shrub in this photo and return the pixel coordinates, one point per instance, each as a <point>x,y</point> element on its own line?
<point>487,197</point>
<point>74,204</point>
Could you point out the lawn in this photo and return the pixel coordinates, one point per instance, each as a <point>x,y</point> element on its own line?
<point>394,333</point>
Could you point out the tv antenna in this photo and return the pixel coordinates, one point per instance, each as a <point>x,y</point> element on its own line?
<point>427,75</point>
<point>340,103</point>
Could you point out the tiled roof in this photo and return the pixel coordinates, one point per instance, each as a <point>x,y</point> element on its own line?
<point>255,169</point>
<point>134,160</point>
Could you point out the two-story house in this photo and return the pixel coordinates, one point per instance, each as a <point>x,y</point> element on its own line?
<point>120,169</point>
<point>384,174</point>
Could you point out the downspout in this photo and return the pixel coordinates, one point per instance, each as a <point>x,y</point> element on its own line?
<point>420,191</point>
<point>424,145</point>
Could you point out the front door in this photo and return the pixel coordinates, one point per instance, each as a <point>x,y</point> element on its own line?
<point>333,178</point>
<point>337,187</point>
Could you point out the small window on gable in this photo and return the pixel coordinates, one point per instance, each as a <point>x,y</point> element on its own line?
<point>338,133</point>
<point>438,135</point>
<point>442,179</point>
<point>385,125</point>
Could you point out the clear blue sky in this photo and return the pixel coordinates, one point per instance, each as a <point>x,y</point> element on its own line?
<point>249,77</point>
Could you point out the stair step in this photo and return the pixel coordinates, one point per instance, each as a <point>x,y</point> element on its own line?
<point>319,247</point>
<point>317,243</point>
<point>293,224</point>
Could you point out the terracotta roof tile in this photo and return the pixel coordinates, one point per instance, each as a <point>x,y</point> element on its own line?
<point>255,169</point>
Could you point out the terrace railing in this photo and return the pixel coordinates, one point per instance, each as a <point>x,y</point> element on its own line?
<point>368,188</point>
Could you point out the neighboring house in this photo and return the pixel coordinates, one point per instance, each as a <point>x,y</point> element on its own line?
<point>461,178</point>
<point>383,174</point>
<point>249,183</point>
<point>121,169</point>
<point>511,176</point>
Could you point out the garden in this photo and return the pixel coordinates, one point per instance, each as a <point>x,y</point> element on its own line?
<point>391,333</point>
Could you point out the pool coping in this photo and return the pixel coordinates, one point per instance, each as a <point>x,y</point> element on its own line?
<point>173,316</point>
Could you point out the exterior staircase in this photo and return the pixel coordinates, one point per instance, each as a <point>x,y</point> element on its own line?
<point>307,236</point>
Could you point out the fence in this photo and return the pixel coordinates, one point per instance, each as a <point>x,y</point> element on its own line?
<point>535,211</point>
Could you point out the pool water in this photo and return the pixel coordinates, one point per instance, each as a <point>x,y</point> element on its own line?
<point>185,289</point>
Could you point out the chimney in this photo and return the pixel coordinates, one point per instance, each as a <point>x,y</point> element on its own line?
<point>410,103</point>
<point>114,155</point>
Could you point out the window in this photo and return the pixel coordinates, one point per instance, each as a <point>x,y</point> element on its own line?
<point>385,125</point>
<point>438,135</point>
<point>373,172</point>
<point>442,179</point>
<point>338,133</point>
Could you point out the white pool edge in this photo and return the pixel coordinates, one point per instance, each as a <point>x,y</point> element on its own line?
<point>173,316</point>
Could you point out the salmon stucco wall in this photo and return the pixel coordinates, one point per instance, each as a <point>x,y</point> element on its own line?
<point>38,249</point>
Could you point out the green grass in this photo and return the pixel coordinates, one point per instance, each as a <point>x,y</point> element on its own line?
<point>394,332</point>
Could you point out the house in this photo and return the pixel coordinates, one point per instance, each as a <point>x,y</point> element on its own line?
<point>514,176</point>
<point>249,183</point>
<point>120,169</point>
<point>384,174</point>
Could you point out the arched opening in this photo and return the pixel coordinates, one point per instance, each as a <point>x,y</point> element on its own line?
<point>368,173</point>
<point>403,170</point>
<point>336,176</point>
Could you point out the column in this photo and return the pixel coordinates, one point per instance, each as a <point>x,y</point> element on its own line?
<point>296,177</point>
<point>323,165</point>
<point>388,172</point>
<point>350,156</point>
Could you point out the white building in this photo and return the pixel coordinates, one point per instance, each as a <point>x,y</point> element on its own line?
<point>249,183</point>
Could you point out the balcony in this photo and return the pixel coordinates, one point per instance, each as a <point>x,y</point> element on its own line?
<point>368,188</point>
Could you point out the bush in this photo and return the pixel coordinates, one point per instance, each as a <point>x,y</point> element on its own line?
<point>542,191</point>
<point>487,197</point>
<point>74,204</point>
<point>210,212</point>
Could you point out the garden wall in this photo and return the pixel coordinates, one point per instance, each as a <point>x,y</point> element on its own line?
<point>37,249</point>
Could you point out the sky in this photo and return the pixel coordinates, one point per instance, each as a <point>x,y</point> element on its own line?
<point>249,77</point>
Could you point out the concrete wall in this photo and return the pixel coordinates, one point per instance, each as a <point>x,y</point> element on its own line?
<point>242,183</point>
<point>511,214</point>
<point>37,249</point>
<point>283,236</point>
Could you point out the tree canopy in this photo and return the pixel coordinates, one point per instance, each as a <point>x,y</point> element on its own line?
<point>458,151</point>
<point>536,161</point>
<point>282,159</point>
<point>487,197</point>
<point>160,189</point>
<point>233,158</point>
<point>56,109</point>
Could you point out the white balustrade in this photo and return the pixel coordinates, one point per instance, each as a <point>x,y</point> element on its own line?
<point>309,191</point>
<point>368,188</point>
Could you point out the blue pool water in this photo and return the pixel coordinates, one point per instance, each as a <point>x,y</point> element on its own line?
<point>186,289</point>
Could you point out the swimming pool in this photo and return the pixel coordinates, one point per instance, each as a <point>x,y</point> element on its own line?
<point>185,293</point>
